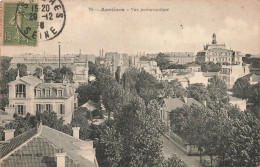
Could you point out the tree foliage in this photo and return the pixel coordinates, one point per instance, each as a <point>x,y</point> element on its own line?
<point>241,88</point>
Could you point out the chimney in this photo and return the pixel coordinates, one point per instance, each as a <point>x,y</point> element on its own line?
<point>205,103</point>
<point>18,75</point>
<point>185,99</point>
<point>61,158</point>
<point>9,134</point>
<point>76,132</point>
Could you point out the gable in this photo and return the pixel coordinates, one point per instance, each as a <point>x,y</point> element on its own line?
<point>15,82</point>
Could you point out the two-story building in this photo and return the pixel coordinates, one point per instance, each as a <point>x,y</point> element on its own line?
<point>230,73</point>
<point>30,94</point>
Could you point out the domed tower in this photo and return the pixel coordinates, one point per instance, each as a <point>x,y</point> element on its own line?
<point>214,40</point>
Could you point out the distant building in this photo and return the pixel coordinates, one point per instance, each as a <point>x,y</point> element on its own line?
<point>198,77</point>
<point>113,60</point>
<point>230,73</point>
<point>218,53</point>
<point>90,106</point>
<point>77,63</point>
<point>44,146</point>
<point>170,104</point>
<point>253,78</point>
<point>180,57</point>
<point>240,103</point>
<point>189,78</point>
<point>29,94</point>
<point>150,67</point>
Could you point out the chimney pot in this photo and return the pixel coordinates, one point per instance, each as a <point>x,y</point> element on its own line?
<point>76,132</point>
<point>61,157</point>
<point>9,134</point>
<point>185,100</point>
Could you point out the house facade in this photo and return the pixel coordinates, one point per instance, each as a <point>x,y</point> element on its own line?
<point>29,94</point>
<point>230,73</point>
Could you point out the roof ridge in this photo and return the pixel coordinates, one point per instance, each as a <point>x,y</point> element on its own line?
<point>63,133</point>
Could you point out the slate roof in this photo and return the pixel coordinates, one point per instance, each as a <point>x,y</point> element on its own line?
<point>173,103</point>
<point>210,74</point>
<point>67,142</point>
<point>68,90</point>
<point>222,50</point>
<point>90,105</point>
<point>40,148</point>
<point>6,148</point>
<point>31,79</point>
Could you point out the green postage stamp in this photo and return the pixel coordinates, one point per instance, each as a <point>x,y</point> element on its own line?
<point>26,22</point>
<point>20,23</point>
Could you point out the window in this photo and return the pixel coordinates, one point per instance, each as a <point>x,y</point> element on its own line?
<point>62,109</point>
<point>20,91</point>
<point>48,107</point>
<point>59,93</point>
<point>39,93</point>
<point>38,107</point>
<point>20,109</point>
<point>48,93</point>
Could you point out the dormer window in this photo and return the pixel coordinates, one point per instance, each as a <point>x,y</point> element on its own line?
<point>39,93</point>
<point>20,91</point>
<point>48,93</point>
<point>59,93</point>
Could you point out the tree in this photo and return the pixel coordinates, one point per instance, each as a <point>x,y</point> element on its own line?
<point>129,79</point>
<point>88,92</point>
<point>59,74</point>
<point>48,118</point>
<point>173,89</point>
<point>162,61</point>
<point>174,161</point>
<point>241,88</point>
<point>81,119</point>
<point>217,90</point>
<point>211,67</point>
<point>38,72</point>
<point>5,63</point>
<point>109,147</point>
<point>141,134</point>
<point>134,141</point>
<point>48,74</point>
<point>147,86</point>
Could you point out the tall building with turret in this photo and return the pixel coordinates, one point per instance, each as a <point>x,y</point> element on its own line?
<point>218,53</point>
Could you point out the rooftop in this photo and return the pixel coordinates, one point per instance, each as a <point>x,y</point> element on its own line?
<point>173,103</point>
<point>40,145</point>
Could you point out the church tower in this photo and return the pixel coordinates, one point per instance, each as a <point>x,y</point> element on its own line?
<point>214,40</point>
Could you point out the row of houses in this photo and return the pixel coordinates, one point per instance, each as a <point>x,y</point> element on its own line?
<point>229,74</point>
<point>214,52</point>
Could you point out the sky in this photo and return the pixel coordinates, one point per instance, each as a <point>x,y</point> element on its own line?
<point>187,26</point>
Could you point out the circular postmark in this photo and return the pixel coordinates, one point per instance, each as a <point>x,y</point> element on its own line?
<point>45,19</point>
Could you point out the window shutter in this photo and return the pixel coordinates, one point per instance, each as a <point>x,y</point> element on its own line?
<point>63,109</point>
<point>16,109</point>
<point>24,110</point>
<point>51,107</point>
<point>43,107</point>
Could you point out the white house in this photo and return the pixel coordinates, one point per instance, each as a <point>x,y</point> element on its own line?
<point>30,94</point>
